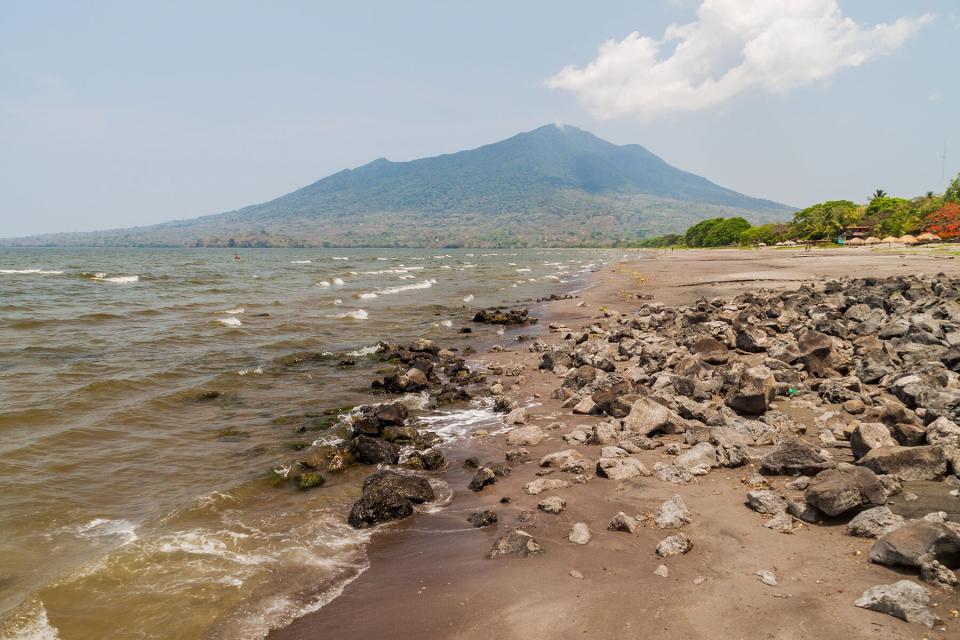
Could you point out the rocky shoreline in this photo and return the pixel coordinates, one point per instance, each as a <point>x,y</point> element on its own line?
<point>819,409</point>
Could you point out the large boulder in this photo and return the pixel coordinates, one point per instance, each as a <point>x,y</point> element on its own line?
<point>620,468</point>
<point>517,543</point>
<point>710,350</point>
<point>757,388</point>
<point>794,456</point>
<point>903,599</point>
<point>943,432</point>
<point>375,451</point>
<point>873,523</point>
<point>388,495</point>
<point>870,435</point>
<point>700,455</point>
<point>917,542</point>
<point>649,416</point>
<point>752,340</point>
<point>907,463</point>
<point>393,413</point>
<point>528,436</point>
<point>569,460</point>
<point>843,489</point>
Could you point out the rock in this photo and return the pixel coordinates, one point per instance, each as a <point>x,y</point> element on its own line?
<point>648,416</point>
<point>907,463</point>
<point>502,315</point>
<point>517,416</point>
<point>800,510</point>
<point>539,486</point>
<point>482,518</point>
<point>674,545</point>
<point>916,542</point>
<point>710,350</point>
<point>702,454</point>
<point>662,571</point>
<point>517,543</point>
<point>552,504</point>
<point>393,413</point>
<point>672,514</point>
<point>517,455</point>
<point>528,436</point>
<point>580,534</point>
<point>310,479</point>
<point>794,456</point>
<point>587,407</point>
<point>432,459</point>
<point>903,599</point>
<point>400,434</point>
<point>756,390</point>
<point>569,460</point>
<point>836,491</point>
<point>388,495</point>
<point>937,574</point>
<point>672,473</point>
<point>623,522</point>
<point>798,484</point>
<point>870,435</point>
<point>766,501</point>
<point>767,577</point>
<point>375,451</point>
<point>620,468</point>
<point>780,522</point>
<point>752,340</point>
<point>944,433</point>
<point>873,523</point>
<point>485,476</point>
<point>422,345</point>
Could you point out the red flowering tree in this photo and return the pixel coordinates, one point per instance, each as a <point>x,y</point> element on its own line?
<point>945,221</point>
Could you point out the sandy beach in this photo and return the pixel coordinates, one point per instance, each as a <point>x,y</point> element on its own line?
<point>429,575</point>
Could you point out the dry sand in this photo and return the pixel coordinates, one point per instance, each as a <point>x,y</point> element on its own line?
<point>429,577</point>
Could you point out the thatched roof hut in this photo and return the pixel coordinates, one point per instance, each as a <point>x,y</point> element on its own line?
<point>908,239</point>
<point>855,242</point>
<point>872,240</point>
<point>890,240</point>
<point>928,237</point>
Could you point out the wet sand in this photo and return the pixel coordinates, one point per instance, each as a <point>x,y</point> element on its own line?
<point>429,576</point>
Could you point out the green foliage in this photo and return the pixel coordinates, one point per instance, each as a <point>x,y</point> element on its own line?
<point>765,234</point>
<point>726,232</point>
<point>952,194</point>
<point>892,216</point>
<point>826,219</point>
<point>697,234</point>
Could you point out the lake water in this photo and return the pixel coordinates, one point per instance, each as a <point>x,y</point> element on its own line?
<point>147,396</point>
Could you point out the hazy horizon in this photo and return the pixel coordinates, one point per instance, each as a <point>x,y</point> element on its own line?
<point>118,116</point>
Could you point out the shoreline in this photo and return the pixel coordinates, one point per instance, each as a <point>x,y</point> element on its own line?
<point>429,574</point>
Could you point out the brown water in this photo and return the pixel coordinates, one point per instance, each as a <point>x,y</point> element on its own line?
<point>132,504</point>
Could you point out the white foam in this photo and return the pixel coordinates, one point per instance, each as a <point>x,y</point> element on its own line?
<point>116,279</point>
<point>230,322</point>
<point>365,351</point>
<point>455,424</point>
<point>102,527</point>
<point>45,272</point>
<point>337,281</point>
<point>468,297</point>
<point>366,296</point>
<point>208,543</point>
<point>356,314</point>
<point>523,270</point>
<point>341,257</point>
<point>323,283</point>
<point>234,311</point>
<point>446,323</point>
<point>301,262</point>
<point>338,301</point>
<point>32,624</point>
<point>426,284</point>
<point>257,371</point>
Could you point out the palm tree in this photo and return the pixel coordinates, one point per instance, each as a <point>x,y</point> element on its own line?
<point>879,193</point>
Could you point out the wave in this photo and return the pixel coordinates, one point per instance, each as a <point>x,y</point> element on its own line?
<point>230,322</point>
<point>365,296</point>
<point>356,314</point>
<point>338,281</point>
<point>257,371</point>
<point>468,297</point>
<point>104,528</point>
<point>31,623</point>
<point>301,262</point>
<point>235,311</point>
<point>426,284</point>
<point>45,272</point>
<point>102,277</point>
<point>365,351</point>
<point>323,283</point>
<point>341,257</point>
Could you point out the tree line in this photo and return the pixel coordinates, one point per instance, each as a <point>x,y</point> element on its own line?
<point>885,215</point>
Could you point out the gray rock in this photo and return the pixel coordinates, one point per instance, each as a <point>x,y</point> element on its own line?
<point>528,436</point>
<point>540,485</point>
<point>908,463</point>
<point>873,523</point>
<point>674,545</point>
<point>917,542</point>
<point>672,514</point>
<point>517,543</point>
<point>569,460</point>
<point>766,501</point>
<point>648,416</point>
<point>836,491</point>
<point>517,416</point>
<point>580,534</point>
<point>662,571</point>
<point>620,468</point>
<point>485,476</point>
<point>780,522</point>
<point>903,599</point>
<point>767,577</point>
<point>870,435</point>
<point>702,454</point>
<point>553,504</point>
<point>794,456</point>
<point>623,522</point>
<point>757,388</point>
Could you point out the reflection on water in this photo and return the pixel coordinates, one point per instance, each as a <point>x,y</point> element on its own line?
<point>145,396</point>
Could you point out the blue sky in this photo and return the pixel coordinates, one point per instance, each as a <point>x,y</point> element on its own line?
<point>125,113</point>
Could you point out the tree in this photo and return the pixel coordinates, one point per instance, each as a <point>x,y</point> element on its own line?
<point>879,193</point>
<point>893,216</point>
<point>696,234</point>
<point>726,232</point>
<point>826,219</point>
<point>952,194</point>
<point>945,222</point>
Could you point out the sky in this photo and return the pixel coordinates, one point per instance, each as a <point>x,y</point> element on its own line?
<point>117,114</point>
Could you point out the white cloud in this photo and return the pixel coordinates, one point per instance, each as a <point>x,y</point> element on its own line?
<point>732,46</point>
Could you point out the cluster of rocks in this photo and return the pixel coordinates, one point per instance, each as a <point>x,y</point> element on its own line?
<point>424,366</point>
<point>504,316</point>
<point>733,382</point>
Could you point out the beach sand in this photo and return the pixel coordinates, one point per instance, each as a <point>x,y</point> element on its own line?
<point>429,576</point>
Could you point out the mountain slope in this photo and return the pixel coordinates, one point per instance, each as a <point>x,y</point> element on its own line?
<point>550,186</point>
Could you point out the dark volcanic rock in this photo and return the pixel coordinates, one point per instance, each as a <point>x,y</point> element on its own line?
<point>918,542</point>
<point>484,476</point>
<point>794,456</point>
<point>756,390</point>
<point>482,518</point>
<point>388,496</point>
<point>517,543</point>
<point>374,451</point>
<point>908,463</point>
<point>503,315</point>
<point>837,491</point>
